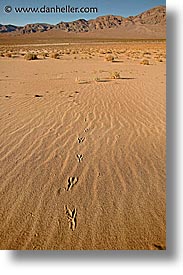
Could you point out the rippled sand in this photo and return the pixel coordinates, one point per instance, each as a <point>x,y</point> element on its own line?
<point>82,162</point>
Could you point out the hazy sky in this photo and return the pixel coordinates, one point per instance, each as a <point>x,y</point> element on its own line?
<point>115,7</point>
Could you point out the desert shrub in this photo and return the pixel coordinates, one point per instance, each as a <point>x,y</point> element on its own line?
<point>30,56</point>
<point>54,55</point>
<point>146,53</point>
<point>97,79</point>
<point>115,75</point>
<point>8,55</point>
<point>109,58</point>
<point>101,51</point>
<point>145,62</point>
<point>68,51</point>
<point>44,55</point>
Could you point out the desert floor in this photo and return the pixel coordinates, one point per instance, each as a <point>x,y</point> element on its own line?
<point>82,153</point>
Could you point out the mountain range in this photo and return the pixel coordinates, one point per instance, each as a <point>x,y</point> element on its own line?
<point>149,23</point>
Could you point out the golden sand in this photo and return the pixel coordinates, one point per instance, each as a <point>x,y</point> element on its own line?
<point>82,155</point>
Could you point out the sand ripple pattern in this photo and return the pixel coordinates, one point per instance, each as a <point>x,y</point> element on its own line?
<point>83,166</point>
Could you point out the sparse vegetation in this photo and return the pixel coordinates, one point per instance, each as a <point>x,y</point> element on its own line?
<point>30,56</point>
<point>115,75</point>
<point>109,58</point>
<point>145,62</point>
<point>8,55</point>
<point>97,79</point>
<point>54,55</point>
<point>108,53</point>
<point>44,55</point>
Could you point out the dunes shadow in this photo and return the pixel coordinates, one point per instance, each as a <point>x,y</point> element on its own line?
<point>37,59</point>
<point>117,61</point>
<point>127,78</point>
<point>38,95</point>
<point>104,80</point>
<point>84,83</point>
<point>41,58</point>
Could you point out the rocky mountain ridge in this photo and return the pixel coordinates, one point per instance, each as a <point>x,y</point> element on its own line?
<point>155,17</point>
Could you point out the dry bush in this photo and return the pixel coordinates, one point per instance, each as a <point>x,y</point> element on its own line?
<point>8,55</point>
<point>97,79</point>
<point>102,51</point>
<point>68,51</point>
<point>30,56</point>
<point>44,55</point>
<point>22,54</point>
<point>146,53</point>
<point>145,62</point>
<point>54,55</point>
<point>109,58</point>
<point>115,75</point>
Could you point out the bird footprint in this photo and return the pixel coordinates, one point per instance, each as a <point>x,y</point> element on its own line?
<point>79,157</point>
<point>71,216</point>
<point>71,182</point>
<point>81,139</point>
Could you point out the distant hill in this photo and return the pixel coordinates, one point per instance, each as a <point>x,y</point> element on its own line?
<point>149,24</point>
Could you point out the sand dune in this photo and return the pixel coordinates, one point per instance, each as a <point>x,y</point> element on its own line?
<point>82,163</point>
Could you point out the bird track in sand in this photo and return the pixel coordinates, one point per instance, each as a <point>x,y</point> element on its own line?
<point>71,216</point>
<point>81,139</point>
<point>79,157</point>
<point>71,182</point>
